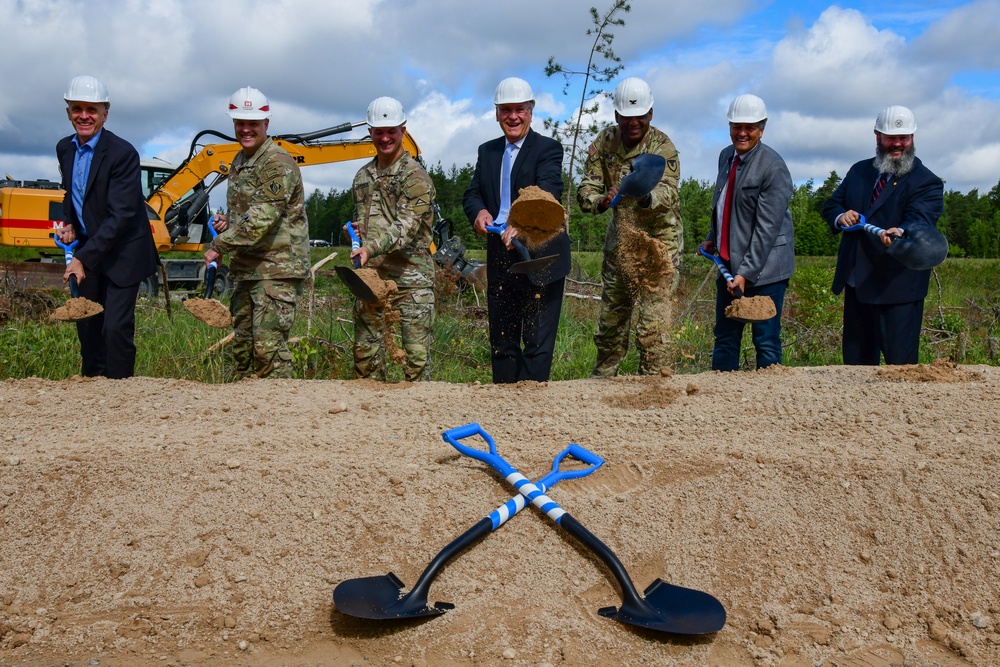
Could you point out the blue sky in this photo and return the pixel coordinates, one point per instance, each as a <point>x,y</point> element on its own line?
<point>824,70</point>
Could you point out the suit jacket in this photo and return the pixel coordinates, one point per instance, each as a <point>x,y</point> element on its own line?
<point>907,202</point>
<point>761,235</point>
<point>119,241</point>
<point>538,162</point>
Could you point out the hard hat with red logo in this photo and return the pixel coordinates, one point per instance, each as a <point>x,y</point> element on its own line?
<point>249,104</point>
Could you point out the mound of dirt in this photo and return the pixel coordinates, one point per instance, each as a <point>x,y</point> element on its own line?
<point>841,516</point>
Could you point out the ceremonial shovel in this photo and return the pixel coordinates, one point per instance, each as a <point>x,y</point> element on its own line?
<point>666,608</point>
<point>920,249</point>
<point>382,598</point>
<point>647,170</point>
<point>358,287</point>
<point>527,264</point>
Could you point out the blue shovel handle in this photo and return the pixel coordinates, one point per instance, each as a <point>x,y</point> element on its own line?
<point>718,262</point>
<point>355,243</point>
<point>520,247</point>
<point>863,225</point>
<point>74,289</point>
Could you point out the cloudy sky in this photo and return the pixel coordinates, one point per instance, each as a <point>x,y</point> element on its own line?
<point>824,71</point>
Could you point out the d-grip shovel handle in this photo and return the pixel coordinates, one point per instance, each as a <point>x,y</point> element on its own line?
<point>74,288</point>
<point>722,270</point>
<point>492,459</point>
<point>213,266</point>
<point>520,247</point>
<point>355,243</point>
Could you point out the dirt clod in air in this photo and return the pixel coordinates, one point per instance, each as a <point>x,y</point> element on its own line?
<point>644,261</point>
<point>210,311</point>
<point>384,291</point>
<point>537,215</point>
<point>751,309</point>
<point>77,308</point>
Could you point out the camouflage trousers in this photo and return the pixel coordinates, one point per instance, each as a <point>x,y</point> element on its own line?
<point>620,300</point>
<point>416,330</point>
<point>263,312</point>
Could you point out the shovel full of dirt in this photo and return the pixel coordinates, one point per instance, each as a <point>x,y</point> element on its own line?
<point>76,307</point>
<point>743,308</point>
<point>210,311</point>
<point>355,282</point>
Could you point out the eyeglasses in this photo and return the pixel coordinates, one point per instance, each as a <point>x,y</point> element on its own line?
<point>514,111</point>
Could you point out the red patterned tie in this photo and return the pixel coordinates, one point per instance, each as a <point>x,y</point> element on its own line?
<point>882,179</point>
<point>727,210</point>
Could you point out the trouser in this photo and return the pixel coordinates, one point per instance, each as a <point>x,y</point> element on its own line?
<point>107,340</point>
<point>416,331</point>
<point>766,335</point>
<point>870,329</point>
<point>522,312</point>
<point>263,313</point>
<point>619,301</point>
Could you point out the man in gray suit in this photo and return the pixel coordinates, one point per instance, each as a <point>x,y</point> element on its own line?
<point>752,231</point>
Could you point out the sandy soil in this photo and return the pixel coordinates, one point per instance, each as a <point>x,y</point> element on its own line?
<point>843,516</point>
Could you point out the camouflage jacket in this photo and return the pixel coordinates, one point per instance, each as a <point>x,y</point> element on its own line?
<point>394,211</point>
<point>268,236</point>
<point>608,161</point>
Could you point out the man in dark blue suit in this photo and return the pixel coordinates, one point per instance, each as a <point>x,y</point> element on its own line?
<point>106,213</point>
<point>522,308</point>
<point>883,299</point>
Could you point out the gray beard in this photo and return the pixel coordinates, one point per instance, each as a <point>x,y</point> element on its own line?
<point>898,167</point>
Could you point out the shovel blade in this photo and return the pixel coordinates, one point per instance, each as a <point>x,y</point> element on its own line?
<point>674,609</point>
<point>647,170</point>
<point>382,598</point>
<point>532,265</point>
<point>358,287</point>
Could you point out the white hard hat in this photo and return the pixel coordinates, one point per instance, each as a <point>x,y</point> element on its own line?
<point>747,109</point>
<point>895,120</point>
<point>513,90</point>
<point>249,104</point>
<point>86,88</point>
<point>385,112</point>
<point>633,97</point>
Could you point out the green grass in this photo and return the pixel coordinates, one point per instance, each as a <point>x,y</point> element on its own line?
<point>962,323</point>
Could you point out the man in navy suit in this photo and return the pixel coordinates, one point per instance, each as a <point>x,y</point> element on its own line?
<point>883,300</point>
<point>522,308</point>
<point>106,213</point>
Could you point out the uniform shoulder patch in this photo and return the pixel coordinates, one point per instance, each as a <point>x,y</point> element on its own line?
<point>274,187</point>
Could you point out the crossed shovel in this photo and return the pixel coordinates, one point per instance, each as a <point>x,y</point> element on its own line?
<point>665,607</point>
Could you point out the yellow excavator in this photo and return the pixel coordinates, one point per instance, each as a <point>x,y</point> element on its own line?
<point>177,201</point>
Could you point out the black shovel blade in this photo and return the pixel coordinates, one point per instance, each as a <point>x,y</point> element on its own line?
<point>647,170</point>
<point>382,598</point>
<point>922,248</point>
<point>674,609</point>
<point>358,287</point>
<point>532,265</point>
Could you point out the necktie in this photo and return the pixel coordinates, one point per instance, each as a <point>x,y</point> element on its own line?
<point>508,160</point>
<point>882,179</point>
<point>727,209</point>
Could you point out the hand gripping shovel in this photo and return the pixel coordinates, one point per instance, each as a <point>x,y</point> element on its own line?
<point>647,170</point>
<point>358,287</point>
<point>747,313</point>
<point>666,608</point>
<point>921,248</point>
<point>527,264</point>
<point>381,597</point>
<point>62,313</point>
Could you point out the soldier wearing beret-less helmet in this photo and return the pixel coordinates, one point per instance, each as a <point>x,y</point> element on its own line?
<point>883,298</point>
<point>658,214</point>
<point>394,216</point>
<point>267,236</point>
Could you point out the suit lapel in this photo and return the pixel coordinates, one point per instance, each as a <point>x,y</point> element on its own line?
<point>100,151</point>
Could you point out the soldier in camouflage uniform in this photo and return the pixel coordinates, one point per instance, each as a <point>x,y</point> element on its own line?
<point>658,214</point>
<point>393,199</point>
<point>268,241</point>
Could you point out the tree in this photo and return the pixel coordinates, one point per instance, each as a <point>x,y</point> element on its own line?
<point>601,47</point>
